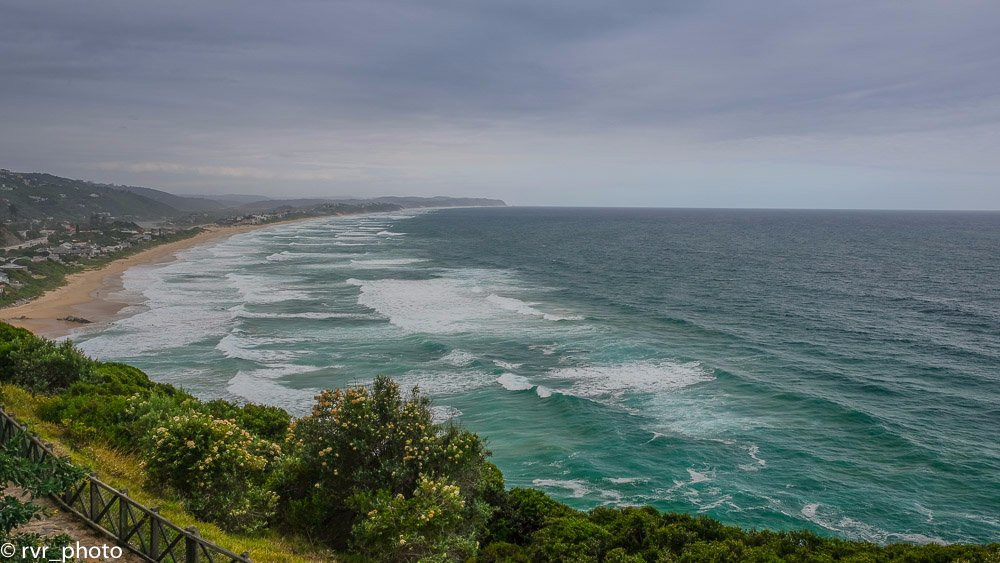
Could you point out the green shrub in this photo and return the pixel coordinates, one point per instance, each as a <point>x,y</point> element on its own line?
<point>111,403</point>
<point>569,539</point>
<point>632,529</point>
<point>522,512</point>
<point>364,440</point>
<point>502,552</point>
<point>218,468</point>
<point>270,423</point>
<point>619,555</point>
<point>39,365</point>
<point>428,526</point>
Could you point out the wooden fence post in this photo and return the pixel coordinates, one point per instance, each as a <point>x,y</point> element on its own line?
<point>122,515</point>
<point>191,545</point>
<point>94,495</point>
<point>154,532</point>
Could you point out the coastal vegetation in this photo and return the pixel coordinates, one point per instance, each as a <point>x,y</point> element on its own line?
<point>35,478</point>
<point>366,474</point>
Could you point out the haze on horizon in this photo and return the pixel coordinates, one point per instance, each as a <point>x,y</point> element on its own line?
<point>845,104</point>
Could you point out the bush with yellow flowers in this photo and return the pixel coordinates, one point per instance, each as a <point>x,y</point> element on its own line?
<point>218,468</point>
<point>374,441</point>
<point>418,528</point>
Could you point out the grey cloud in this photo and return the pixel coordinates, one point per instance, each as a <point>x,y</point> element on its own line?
<point>391,96</point>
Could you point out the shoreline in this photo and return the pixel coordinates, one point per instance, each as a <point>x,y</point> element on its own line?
<point>88,294</point>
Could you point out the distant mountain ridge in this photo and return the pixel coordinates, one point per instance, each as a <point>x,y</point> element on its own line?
<point>29,196</point>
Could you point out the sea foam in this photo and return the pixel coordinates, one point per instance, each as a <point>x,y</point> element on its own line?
<point>512,382</point>
<point>615,380</point>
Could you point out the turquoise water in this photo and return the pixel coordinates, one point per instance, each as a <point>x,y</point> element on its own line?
<point>836,371</point>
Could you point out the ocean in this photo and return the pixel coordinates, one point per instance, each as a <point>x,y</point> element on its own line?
<point>837,371</point>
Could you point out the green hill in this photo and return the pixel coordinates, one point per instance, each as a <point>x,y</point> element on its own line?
<point>26,196</point>
<point>182,203</point>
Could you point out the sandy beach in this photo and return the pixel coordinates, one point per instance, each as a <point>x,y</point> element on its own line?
<point>89,294</point>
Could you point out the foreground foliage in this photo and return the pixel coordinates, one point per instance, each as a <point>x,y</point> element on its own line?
<point>369,474</point>
<point>37,479</point>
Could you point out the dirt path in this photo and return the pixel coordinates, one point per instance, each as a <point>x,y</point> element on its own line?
<point>61,522</point>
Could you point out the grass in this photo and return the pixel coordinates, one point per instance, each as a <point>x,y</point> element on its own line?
<point>124,471</point>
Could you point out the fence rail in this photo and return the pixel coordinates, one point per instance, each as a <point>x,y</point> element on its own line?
<point>110,511</point>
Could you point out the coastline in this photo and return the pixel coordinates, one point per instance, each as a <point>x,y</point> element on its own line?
<point>88,294</point>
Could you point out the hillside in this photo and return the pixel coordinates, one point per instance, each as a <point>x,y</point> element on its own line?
<point>27,196</point>
<point>400,202</point>
<point>182,203</point>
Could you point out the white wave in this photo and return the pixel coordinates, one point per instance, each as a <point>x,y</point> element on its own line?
<point>512,382</point>
<point>286,255</point>
<point>380,263</point>
<point>444,383</point>
<point>626,480</point>
<point>439,305</point>
<point>307,315</point>
<point>506,365</point>
<point>458,358</point>
<point>809,510</point>
<point>577,488</point>
<point>234,346</point>
<point>545,349</point>
<point>612,381</point>
<point>543,392</point>
<point>444,413</point>
<point>528,309</point>
<point>390,234</point>
<point>261,289</point>
<point>257,389</point>
<point>280,256</point>
<point>697,477</point>
<point>758,463</point>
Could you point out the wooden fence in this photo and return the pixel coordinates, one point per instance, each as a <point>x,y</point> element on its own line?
<point>110,511</point>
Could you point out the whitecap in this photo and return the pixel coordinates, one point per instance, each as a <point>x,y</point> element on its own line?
<point>458,358</point>
<point>697,477</point>
<point>444,413</point>
<point>234,346</point>
<point>252,387</point>
<point>614,380</point>
<point>444,383</point>
<point>809,510</point>
<point>314,315</point>
<point>385,262</point>
<point>506,365</point>
<point>758,463</point>
<point>528,309</point>
<point>512,382</point>
<point>263,289</point>
<point>577,488</point>
<point>440,305</point>
<point>626,480</point>
<point>543,392</point>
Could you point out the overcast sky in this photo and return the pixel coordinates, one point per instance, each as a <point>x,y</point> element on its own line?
<point>845,104</point>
